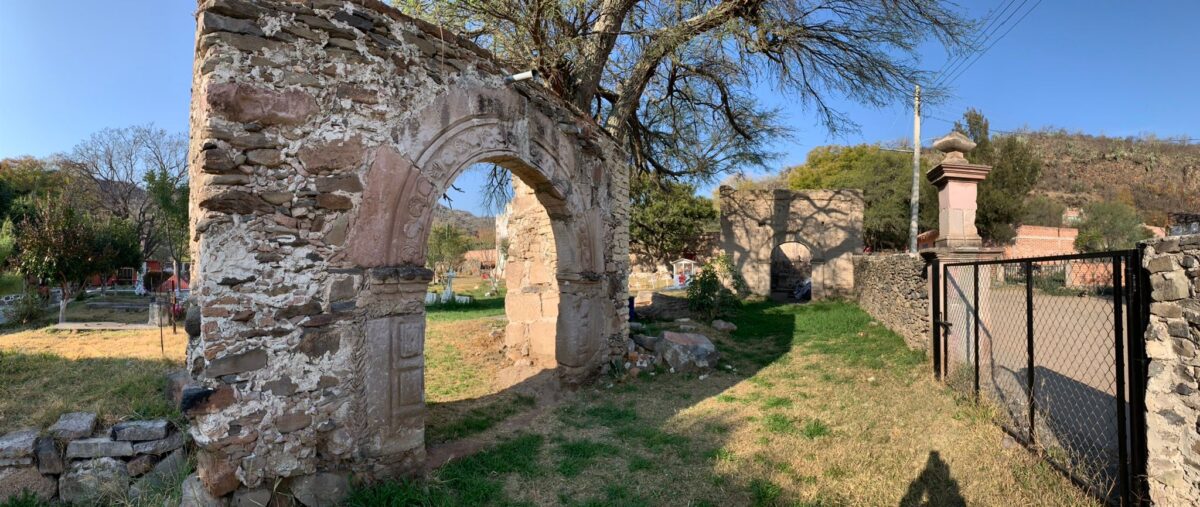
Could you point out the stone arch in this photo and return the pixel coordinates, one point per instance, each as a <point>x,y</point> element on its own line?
<point>791,264</point>
<point>322,135</point>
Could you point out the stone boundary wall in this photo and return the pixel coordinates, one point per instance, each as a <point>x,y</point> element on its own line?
<point>894,289</point>
<point>74,462</point>
<point>1172,392</point>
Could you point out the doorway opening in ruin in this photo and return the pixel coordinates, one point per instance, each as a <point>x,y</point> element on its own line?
<point>492,306</point>
<point>791,268</point>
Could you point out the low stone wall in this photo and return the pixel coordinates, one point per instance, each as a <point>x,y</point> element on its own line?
<point>893,288</point>
<point>1172,395</point>
<point>76,464</point>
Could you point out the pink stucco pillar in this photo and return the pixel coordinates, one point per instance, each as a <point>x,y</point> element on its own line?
<point>957,182</point>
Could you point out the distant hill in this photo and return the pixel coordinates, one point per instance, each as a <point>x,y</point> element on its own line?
<point>483,229</point>
<point>1157,176</point>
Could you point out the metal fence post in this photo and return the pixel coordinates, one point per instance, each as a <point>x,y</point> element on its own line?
<point>975,348</point>
<point>1138,290</point>
<point>1029,349</point>
<point>935,317</point>
<point>945,323</point>
<point>1119,348</point>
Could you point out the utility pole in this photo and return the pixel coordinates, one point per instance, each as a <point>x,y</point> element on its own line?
<point>916,176</point>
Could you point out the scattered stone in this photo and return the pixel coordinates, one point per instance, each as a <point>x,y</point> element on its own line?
<point>94,481</point>
<point>257,497</point>
<point>73,425</point>
<point>140,431</point>
<point>15,481</point>
<point>193,494</point>
<point>140,465</point>
<point>18,444</point>
<point>176,381</point>
<point>161,446</point>
<point>647,342</point>
<point>687,352</point>
<point>723,326</point>
<point>98,448</point>
<point>320,489</point>
<point>49,458</point>
<point>216,473</point>
<point>636,326</point>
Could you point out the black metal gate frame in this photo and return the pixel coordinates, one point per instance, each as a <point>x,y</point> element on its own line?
<point>1134,285</point>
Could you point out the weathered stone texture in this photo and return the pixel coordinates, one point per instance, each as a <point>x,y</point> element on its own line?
<point>894,289</point>
<point>1172,389</point>
<point>828,223</point>
<point>322,134</point>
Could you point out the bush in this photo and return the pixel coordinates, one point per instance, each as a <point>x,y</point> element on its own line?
<point>28,308</point>
<point>708,295</point>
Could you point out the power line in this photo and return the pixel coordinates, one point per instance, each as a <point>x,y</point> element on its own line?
<point>955,77</point>
<point>976,42</point>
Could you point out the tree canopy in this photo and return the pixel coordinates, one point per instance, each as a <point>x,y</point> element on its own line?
<point>667,221</point>
<point>1109,226</point>
<point>885,177</point>
<point>447,245</point>
<point>675,81</point>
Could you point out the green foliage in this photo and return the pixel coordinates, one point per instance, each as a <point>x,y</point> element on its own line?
<point>447,245</point>
<point>56,244</point>
<point>1015,170</point>
<point>667,220</point>
<point>710,297</point>
<point>8,241</point>
<point>1042,210</point>
<point>170,198</point>
<point>885,177</point>
<point>115,245</point>
<point>1109,226</point>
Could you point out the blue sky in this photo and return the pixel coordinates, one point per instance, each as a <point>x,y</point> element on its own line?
<point>1110,67</point>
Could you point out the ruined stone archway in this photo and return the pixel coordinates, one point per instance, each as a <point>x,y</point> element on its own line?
<point>322,135</point>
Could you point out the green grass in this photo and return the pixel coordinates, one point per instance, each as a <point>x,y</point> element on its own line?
<point>477,309</point>
<point>779,424</point>
<point>576,455</point>
<point>478,419</point>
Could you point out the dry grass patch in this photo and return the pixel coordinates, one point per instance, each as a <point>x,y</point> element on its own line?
<point>117,374</point>
<point>826,408</point>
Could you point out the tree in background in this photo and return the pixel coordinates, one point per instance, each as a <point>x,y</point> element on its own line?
<point>447,246</point>
<point>1109,226</point>
<point>24,180</point>
<point>667,220</point>
<point>115,245</point>
<point>1015,170</point>
<point>885,177</point>
<point>116,164</point>
<point>55,245</point>
<point>169,193</point>
<point>1044,211</point>
<point>675,81</point>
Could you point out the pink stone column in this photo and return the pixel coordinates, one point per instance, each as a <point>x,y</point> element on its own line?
<point>957,182</point>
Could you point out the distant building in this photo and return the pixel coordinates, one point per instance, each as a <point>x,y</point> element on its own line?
<point>1179,224</point>
<point>1040,241</point>
<point>1072,216</point>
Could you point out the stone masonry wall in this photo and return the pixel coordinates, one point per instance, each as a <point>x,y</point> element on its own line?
<point>827,222</point>
<point>322,134</point>
<point>1172,390</point>
<point>894,289</point>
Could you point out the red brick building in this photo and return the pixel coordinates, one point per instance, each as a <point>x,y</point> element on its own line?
<point>1039,241</point>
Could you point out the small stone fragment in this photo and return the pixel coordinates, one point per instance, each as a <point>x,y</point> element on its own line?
<point>162,446</point>
<point>73,425</point>
<point>139,431</point>
<point>193,494</point>
<point>49,458</point>
<point>320,489</point>
<point>18,444</point>
<point>15,481</point>
<point>98,448</point>
<point>94,481</point>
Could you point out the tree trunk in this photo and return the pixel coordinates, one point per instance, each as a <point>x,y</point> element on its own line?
<point>62,309</point>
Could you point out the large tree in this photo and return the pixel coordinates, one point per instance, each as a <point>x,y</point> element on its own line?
<point>1015,170</point>
<point>667,220</point>
<point>676,81</point>
<point>884,176</point>
<point>1109,226</point>
<point>116,162</point>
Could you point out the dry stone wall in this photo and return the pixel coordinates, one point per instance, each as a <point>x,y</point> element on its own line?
<point>322,134</point>
<point>827,222</point>
<point>1172,389</point>
<point>894,289</point>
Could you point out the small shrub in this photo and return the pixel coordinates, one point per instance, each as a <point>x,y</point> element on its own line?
<point>28,308</point>
<point>708,295</point>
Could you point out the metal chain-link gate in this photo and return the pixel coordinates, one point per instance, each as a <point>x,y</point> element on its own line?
<point>1054,345</point>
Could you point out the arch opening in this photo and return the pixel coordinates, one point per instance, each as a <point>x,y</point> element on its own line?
<point>791,270</point>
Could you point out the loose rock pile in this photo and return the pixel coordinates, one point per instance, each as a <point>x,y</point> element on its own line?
<point>77,464</point>
<point>683,351</point>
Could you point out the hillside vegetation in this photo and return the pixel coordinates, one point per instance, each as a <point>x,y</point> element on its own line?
<point>1156,176</point>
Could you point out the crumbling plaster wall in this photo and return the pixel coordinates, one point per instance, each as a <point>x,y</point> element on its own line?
<point>827,222</point>
<point>322,132</point>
